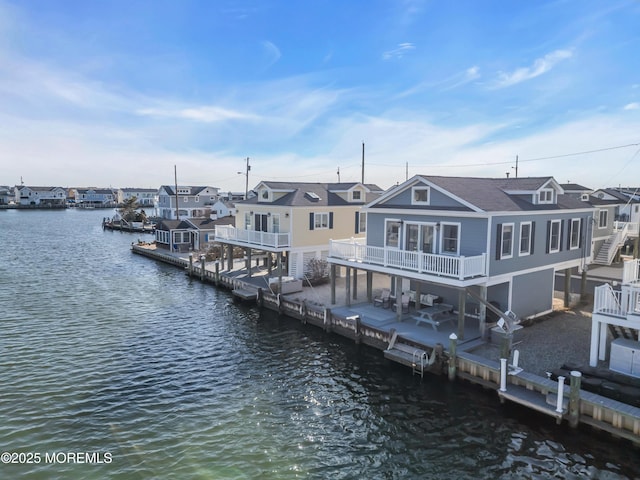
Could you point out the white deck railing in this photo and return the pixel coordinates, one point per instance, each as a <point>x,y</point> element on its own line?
<point>630,227</point>
<point>252,237</point>
<point>631,271</point>
<point>459,267</point>
<point>618,303</point>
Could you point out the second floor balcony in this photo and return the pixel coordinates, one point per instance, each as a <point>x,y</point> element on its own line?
<point>252,238</point>
<point>451,266</point>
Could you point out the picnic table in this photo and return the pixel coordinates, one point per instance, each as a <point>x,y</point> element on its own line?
<point>435,315</point>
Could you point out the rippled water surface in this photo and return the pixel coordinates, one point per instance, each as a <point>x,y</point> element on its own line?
<point>113,355</point>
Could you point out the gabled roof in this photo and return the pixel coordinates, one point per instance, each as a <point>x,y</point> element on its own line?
<point>38,189</point>
<point>131,189</point>
<point>491,194</point>
<point>200,223</point>
<point>301,194</point>
<point>192,190</point>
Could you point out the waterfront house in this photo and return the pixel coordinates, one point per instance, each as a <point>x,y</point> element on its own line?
<point>615,323</point>
<point>189,234</point>
<point>295,221</point>
<point>145,197</point>
<point>94,197</point>
<point>473,243</point>
<point>617,218</point>
<point>40,196</point>
<point>223,208</point>
<point>187,201</point>
<point>6,194</point>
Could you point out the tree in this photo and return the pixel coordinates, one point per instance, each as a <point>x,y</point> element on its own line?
<point>129,211</point>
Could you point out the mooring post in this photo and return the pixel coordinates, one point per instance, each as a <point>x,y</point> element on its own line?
<point>503,374</point>
<point>574,398</point>
<point>327,319</point>
<point>190,264</point>
<point>505,346</point>
<point>453,356</point>
<point>202,270</point>
<point>560,399</point>
<point>260,298</point>
<point>217,277</point>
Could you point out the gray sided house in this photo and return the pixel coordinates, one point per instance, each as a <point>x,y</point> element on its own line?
<point>474,241</point>
<point>187,201</point>
<point>40,196</point>
<point>190,234</point>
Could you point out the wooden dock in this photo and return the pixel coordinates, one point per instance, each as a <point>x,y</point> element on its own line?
<point>528,390</point>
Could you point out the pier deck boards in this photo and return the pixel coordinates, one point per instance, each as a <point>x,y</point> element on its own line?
<point>532,399</point>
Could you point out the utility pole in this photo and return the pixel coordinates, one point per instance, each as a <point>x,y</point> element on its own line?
<point>175,179</point>
<point>362,163</point>
<point>516,166</point>
<point>246,180</point>
<point>338,174</point>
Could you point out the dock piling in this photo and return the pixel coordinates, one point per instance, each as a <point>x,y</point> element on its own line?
<point>574,398</point>
<point>503,374</point>
<point>453,341</point>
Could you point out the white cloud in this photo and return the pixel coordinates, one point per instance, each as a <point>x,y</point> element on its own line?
<point>632,106</point>
<point>272,52</point>
<point>399,52</point>
<point>539,67</point>
<point>205,114</point>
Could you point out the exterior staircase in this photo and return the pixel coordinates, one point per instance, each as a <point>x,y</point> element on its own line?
<point>610,247</point>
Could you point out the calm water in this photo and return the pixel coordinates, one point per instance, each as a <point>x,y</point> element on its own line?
<point>150,375</point>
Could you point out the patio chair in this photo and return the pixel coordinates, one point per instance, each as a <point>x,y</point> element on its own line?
<point>404,304</point>
<point>383,299</point>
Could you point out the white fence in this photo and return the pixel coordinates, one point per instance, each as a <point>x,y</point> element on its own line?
<point>444,265</point>
<point>618,303</point>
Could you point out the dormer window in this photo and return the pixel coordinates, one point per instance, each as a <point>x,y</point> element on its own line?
<point>356,195</point>
<point>545,196</point>
<point>420,195</point>
<point>264,194</point>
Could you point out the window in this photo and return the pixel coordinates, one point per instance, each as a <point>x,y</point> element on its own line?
<point>420,195</point>
<point>525,238</point>
<point>321,220</point>
<point>197,199</point>
<point>603,218</point>
<point>356,195</point>
<point>265,194</point>
<point>185,199</point>
<point>545,196</point>
<point>506,241</point>
<point>247,220</point>
<point>574,233</point>
<point>275,223</point>
<point>392,236</point>
<point>361,222</point>
<point>450,238</point>
<point>554,236</point>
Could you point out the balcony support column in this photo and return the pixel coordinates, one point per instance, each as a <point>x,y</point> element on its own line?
<point>567,287</point>
<point>229,257</point>
<point>369,286</point>
<point>347,284</point>
<point>583,285</point>
<point>333,283</point>
<point>462,297</point>
<point>248,261</point>
<point>399,297</point>
<point>355,283</point>
<point>482,312</point>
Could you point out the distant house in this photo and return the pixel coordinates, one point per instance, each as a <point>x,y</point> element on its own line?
<point>473,241</point>
<point>94,197</point>
<point>295,220</point>
<point>145,197</point>
<point>577,191</point>
<point>190,202</point>
<point>6,195</point>
<point>190,234</point>
<point>40,196</point>
<point>223,208</point>
<point>617,222</point>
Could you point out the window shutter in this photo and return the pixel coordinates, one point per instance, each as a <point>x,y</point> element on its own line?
<point>330,220</point>
<point>548,235</point>
<point>311,220</point>
<point>562,229</point>
<point>569,233</point>
<point>357,222</point>
<point>533,236</point>
<point>498,241</point>
<point>581,233</point>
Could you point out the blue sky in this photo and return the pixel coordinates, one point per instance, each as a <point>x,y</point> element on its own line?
<point>117,93</point>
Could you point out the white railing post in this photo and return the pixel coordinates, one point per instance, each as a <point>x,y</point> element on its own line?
<point>461,267</point>
<point>503,374</point>
<point>560,399</point>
